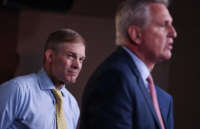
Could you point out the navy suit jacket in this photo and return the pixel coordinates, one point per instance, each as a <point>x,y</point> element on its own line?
<point>115,97</point>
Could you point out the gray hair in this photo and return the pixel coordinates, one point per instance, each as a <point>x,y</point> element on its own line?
<point>132,12</point>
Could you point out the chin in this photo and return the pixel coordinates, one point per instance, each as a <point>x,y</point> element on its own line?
<point>163,58</point>
<point>71,80</point>
<point>167,55</point>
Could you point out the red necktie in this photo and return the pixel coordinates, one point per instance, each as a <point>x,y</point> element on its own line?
<point>153,95</point>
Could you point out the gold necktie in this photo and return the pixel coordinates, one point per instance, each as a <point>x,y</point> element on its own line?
<point>60,116</point>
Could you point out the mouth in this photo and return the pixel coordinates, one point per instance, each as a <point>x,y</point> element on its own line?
<point>170,46</point>
<point>73,73</point>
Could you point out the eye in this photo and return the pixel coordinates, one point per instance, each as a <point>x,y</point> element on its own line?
<point>70,55</point>
<point>165,24</point>
<point>82,59</point>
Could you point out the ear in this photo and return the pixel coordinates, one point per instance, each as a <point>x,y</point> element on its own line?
<point>48,55</point>
<point>135,34</point>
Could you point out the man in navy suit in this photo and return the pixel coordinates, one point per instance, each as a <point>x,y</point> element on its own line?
<point>117,94</point>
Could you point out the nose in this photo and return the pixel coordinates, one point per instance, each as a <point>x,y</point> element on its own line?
<point>76,64</point>
<point>172,32</point>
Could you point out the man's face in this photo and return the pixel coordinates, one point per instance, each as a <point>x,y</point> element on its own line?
<point>158,35</point>
<point>67,62</point>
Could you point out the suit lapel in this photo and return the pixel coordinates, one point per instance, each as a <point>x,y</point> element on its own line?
<point>140,82</point>
<point>163,107</point>
<point>148,100</point>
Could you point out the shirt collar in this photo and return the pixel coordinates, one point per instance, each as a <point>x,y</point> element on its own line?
<point>142,68</point>
<point>45,82</point>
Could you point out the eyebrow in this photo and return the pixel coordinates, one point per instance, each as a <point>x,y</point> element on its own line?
<point>75,54</point>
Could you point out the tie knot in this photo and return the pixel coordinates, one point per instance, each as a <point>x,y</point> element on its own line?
<point>57,94</point>
<point>150,79</point>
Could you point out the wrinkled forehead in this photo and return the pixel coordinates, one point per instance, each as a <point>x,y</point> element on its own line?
<point>77,48</point>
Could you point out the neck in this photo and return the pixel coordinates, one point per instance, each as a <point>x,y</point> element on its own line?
<point>58,84</point>
<point>150,65</point>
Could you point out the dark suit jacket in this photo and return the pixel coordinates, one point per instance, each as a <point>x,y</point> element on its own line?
<point>115,97</point>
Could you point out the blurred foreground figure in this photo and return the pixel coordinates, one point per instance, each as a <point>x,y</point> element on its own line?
<point>121,94</point>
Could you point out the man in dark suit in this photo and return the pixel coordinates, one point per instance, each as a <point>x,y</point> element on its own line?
<point>119,94</point>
